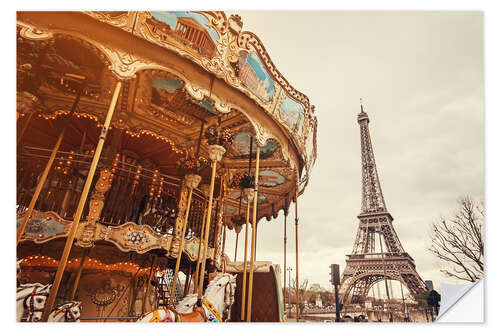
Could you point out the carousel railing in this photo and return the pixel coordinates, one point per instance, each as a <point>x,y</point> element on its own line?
<point>137,194</point>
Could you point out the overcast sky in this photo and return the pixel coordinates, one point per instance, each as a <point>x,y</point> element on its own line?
<point>420,75</point>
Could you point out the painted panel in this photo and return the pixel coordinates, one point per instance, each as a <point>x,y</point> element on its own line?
<point>43,227</point>
<point>164,90</point>
<point>241,143</point>
<point>235,194</point>
<point>270,178</point>
<point>292,114</point>
<point>188,29</point>
<point>254,76</point>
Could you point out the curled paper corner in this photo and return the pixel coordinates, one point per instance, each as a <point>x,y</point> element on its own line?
<point>466,305</point>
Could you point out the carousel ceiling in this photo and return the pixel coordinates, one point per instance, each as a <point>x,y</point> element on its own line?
<point>161,110</point>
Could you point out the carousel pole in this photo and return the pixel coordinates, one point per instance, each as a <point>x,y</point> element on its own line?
<point>224,249</point>
<point>285,213</point>
<point>143,306</point>
<point>45,173</point>
<point>254,227</point>
<point>192,182</point>
<point>79,273</point>
<point>198,258</point>
<point>243,297</point>
<point>236,246</point>
<point>81,204</point>
<point>297,254</point>
<point>247,218</point>
<point>215,154</point>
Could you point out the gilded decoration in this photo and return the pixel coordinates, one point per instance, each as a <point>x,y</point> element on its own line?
<point>44,226</point>
<point>230,47</point>
<point>164,101</point>
<point>191,249</point>
<point>192,181</point>
<point>240,59</point>
<point>215,152</point>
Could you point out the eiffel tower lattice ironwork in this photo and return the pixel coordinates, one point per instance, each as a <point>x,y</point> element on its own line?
<point>370,262</point>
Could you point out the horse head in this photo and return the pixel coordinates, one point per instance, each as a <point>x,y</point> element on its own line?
<point>220,292</point>
<point>67,312</point>
<point>33,297</point>
<point>187,304</point>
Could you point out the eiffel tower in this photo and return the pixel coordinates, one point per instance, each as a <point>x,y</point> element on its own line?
<point>370,262</point>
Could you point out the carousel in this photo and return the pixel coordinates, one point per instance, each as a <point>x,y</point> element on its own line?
<point>143,138</point>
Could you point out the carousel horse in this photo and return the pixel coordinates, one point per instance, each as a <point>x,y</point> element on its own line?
<point>66,312</point>
<point>218,299</point>
<point>31,297</point>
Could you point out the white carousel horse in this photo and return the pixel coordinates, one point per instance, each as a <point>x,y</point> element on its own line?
<point>32,297</point>
<point>66,312</point>
<point>218,299</point>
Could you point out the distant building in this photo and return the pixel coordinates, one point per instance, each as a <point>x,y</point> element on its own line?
<point>315,287</point>
<point>319,302</point>
<point>429,284</point>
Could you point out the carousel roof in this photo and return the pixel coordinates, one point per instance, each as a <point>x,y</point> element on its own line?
<point>181,70</point>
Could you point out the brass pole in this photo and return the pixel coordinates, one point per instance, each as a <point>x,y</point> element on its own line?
<point>198,258</point>
<point>144,298</point>
<point>285,211</point>
<point>207,231</point>
<point>297,253</point>
<point>243,295</point>
<point>45,173</point>
<point>254,227</point>
<point>79,274</point>
<point>81,205</point>
<point>181,247</point>
<point>224,249</point>
<point>236,246</point>
<point>187,282</point>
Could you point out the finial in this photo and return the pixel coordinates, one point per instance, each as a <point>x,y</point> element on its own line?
<point>361,103</point>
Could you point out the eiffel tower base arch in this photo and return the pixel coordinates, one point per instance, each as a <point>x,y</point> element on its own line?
<point>361,274</point>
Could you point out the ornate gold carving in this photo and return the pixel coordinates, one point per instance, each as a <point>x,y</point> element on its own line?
<point>179,221</point>
<point>124,65</point>
<point>249,193</point>
<point>44,226</point>
<point>215,152</point>
<point>192,181</point>
<point>123,21</point>
<point>88,232</point>
<point>32,32</point>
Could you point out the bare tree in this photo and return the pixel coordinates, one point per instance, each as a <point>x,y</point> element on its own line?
<point>459,241</point>
<point>303,293</point>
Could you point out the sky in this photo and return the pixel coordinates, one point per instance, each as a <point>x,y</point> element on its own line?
<point>421,78</point>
